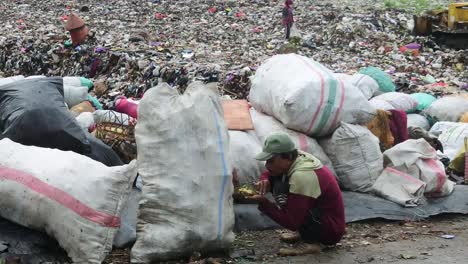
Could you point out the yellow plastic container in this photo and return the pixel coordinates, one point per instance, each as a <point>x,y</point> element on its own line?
<point>457,14</point>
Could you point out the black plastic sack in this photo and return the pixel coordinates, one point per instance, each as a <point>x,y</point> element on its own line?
<point>102,153</point>
<point>33,112</point>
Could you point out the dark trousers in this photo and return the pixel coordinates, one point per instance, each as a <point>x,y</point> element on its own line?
<point>311,229</point>
<point>288,30</point>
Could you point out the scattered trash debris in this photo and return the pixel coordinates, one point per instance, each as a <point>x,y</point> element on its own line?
<point>407,256</point>
<point>362,37</point>
<point>448,236</point>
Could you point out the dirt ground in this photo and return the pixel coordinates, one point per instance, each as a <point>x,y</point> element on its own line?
<point>375,241</point>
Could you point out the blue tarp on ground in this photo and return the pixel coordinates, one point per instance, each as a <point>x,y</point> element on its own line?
<point>361,206</point>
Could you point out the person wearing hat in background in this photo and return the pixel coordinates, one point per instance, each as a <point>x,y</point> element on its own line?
<point>308,199</point>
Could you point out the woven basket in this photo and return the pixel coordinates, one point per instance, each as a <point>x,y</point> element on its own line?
<point>121,138</point>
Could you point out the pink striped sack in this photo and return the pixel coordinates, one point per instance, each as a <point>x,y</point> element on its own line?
<point>399,187</point>
<point>72,198</point>
<point>418,159</point>
<point>306,96</point>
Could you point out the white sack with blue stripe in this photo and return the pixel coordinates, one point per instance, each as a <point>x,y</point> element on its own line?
<point>306,96</point>
<point>183,147</point>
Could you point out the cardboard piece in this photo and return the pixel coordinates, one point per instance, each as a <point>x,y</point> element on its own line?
<point>237,115</point>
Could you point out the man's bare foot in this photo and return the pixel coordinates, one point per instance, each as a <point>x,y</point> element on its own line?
<point>290,237</point>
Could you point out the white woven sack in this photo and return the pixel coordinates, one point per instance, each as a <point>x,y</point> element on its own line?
<point>356,157</point>
<point>449,108</point>
<point>72,198</point>
<point>418,158</point>
<point>400,101</point>
<point>306,97</point>
<point>452,139</point>
<point>243,147</point>
<point>183,147</point>
<point>364,83</point>
<point>266,125</point>
<point>417,120</point>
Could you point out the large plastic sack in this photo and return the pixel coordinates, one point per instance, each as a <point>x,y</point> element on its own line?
<point>186,203</point>
<point>243,147</point>
<point>384,80</point>
<point>72,198</point>
<point>424,100</point>
<point>400,101</point>
<point>399,187</point>
<point>305,96</point>
<point>449,108</point>
<point>74,95</point>
<point>11,79</point>
<point>381,104</point>
<point>33,112</point>
<point>364,83</point>
<point>438,128</point>
<point>77,81</point>
<point>266,125</point>
<point>356,157</point>
<point>452,139</point>
<point>36,76</point>
<point>418,158</point>
<point>417,120</point>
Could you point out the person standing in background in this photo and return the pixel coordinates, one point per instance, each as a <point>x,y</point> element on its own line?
<point>288,18</point>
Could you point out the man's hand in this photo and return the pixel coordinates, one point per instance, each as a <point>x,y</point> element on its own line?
<point>263,187</point>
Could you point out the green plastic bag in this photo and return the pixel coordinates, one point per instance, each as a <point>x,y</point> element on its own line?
<point>424,100</point>
<point>86,82</point>
<point>95,102</point>
<point>382,78</point>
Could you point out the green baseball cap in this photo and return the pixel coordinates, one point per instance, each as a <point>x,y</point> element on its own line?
<point>275,144</point>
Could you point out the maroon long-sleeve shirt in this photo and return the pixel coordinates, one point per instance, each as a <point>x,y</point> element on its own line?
<point>328,200</point>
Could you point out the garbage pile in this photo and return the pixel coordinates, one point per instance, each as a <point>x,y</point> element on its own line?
<point>132,45</point>
<point>366,141</point>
